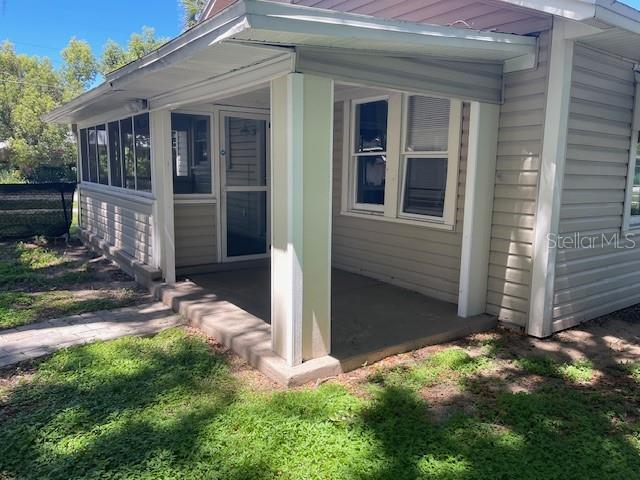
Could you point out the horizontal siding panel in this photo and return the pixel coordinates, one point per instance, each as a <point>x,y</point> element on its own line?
<point>520,207</point>
<point>124,223</point>
<point>597,154</point>
<point>577,167</point>
<point>509,275</point>
<point>507,246</point>
<point>195,234</point>
<point>592,196</point>
<point>522,118</point>
<point>595,281</point>
<point>587,211</point>
<point>516,190</point>
<point>511,289</point>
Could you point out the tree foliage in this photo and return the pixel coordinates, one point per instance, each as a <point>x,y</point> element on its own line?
<point>115,56</point>
<point>80,66</point>
<point>191,11</point>
<point>29,88</point>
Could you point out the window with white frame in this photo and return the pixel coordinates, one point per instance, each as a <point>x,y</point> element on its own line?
<point>403,158</point>
<point>369,153</point>
<point>631,218</point>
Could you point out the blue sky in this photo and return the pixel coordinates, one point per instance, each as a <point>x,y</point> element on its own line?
<point>43,27</point>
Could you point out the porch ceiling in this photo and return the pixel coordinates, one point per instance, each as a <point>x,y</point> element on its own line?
<point>252,33</point>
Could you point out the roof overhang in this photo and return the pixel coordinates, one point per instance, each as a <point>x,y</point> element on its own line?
<point>606,25</point>
<point>251,33</point>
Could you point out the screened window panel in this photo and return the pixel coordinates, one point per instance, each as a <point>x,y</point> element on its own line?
<point>103,159</point>
<point>191,153</point>
<point>126,148</point>
<point>84,154</point>
<point>142,152</point>
<point>425,186</point>
<point>371,127</point>
<point>371,174</point>
<point>115,154</point>
<point>427,124</point>
<point>93,159</point>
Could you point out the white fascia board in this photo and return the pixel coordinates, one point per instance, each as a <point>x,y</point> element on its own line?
<point>618,15</point>
<point>571,9</point>
<point>281,17</point>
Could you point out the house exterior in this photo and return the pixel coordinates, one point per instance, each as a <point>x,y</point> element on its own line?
<point>479,152</point>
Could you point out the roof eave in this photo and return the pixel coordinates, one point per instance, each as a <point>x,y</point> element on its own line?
<point>237,20</point>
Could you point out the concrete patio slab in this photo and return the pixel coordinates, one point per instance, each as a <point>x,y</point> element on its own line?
<point>370,320</point>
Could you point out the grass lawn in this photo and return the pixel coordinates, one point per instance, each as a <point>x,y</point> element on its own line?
<point>174,406</point>
<point>39,281</point>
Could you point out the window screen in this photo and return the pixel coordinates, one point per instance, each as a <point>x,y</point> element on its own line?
<point>84,154</point>
<point>142,152</point>
<point>126,149</point>
<point>93,159</point>
<point>190,153</point>
<point>115,157</point>
<point>103,159</point>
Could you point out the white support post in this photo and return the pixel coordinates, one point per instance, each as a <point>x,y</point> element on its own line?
<point>301,169</point>
<point>162,186</point>
<point>554,149</point>
<point>478,208</point>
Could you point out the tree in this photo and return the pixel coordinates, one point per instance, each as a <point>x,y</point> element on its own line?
<point>113,57</point>
<point>140,44</point>
<point>29,88</point>
<point>80,67</point>
<point>191,11</point>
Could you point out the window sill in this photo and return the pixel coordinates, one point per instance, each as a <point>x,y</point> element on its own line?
<point>632,229</point>
<point>405,221</point>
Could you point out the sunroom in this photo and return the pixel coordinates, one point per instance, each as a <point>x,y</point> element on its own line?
<point>323,181</point>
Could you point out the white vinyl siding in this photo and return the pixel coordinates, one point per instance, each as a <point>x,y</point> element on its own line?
<point>195,234</point>
<point>125,222</point>
<point>596,281</point>
<point>413,257</point>
<point>516,189</point>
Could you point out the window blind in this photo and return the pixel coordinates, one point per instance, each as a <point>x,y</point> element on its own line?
<point>427,124</point>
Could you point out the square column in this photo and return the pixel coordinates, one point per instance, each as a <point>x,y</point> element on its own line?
<point>301,171</point>
<point>478,208</point>
<point>162,189</point>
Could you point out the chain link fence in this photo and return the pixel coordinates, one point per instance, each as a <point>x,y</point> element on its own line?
<point>33,209</point>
